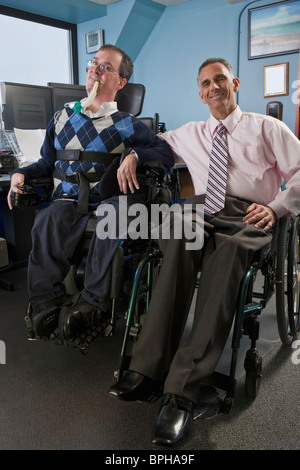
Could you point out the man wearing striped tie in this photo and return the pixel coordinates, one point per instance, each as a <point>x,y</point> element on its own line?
<point>237,161</point>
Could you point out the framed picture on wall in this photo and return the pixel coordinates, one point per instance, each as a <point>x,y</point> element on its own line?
<point>94,40</point>
<point>274,29</point>
<point>276,80</point>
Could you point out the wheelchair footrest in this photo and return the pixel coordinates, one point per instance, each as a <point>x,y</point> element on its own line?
<point>208,404</point>
<point>85,338</point>
<point>252,308</point>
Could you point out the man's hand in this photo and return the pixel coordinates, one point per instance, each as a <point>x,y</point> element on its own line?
<point>126,174</point>
<point>16,179</point>
<point>261,216</point>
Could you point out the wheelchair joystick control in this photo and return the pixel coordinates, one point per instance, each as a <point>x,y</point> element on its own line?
<point>28,197</point>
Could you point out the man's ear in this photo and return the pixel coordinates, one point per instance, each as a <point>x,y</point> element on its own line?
<point>202,97</point>
<point>236,84</point>
<point>122,83</point>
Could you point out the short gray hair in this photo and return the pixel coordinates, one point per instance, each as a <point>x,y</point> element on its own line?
<point>214,60</point>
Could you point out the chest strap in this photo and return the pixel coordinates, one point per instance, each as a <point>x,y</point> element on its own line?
<point>84,156</point>
<point>83,179</point>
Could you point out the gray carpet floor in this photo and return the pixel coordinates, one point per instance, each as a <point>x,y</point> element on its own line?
<point>55,398</point>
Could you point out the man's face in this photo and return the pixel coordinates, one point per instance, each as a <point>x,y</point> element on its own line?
<point>109,80</point>
<point>217,89</point>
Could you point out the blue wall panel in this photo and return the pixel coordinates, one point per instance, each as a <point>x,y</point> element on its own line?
<point>178,41</point>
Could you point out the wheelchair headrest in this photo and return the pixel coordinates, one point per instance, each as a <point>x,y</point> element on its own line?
<point>131,98</point>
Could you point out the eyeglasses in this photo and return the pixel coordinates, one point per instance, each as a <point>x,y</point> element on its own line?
<point>103,67</point>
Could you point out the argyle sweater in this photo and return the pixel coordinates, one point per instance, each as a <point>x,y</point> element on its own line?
<point>109,134</point>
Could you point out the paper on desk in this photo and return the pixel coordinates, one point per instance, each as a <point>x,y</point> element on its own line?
<point>30,142</point>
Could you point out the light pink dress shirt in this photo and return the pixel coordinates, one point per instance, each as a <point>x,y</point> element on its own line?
<point>263,152</point>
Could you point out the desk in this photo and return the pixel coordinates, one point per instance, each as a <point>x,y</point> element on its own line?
<point>185,181</point>
<point>16,225</point>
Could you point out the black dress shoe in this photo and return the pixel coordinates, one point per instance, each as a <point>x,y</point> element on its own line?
<point>134,386</point>
<point>77,315</point>
<point>174,420</point>
<point>42,318</point>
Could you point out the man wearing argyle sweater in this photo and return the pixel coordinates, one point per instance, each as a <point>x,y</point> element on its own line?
<point>99,127</point>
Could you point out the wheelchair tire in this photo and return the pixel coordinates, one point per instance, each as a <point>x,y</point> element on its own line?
<point>144,281</point>
<point>293,283</point>
<point>287,280</point>
<point>253,368</point>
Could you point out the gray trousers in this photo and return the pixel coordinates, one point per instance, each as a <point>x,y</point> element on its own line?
<point>55,236</point>
<point>227,252</point>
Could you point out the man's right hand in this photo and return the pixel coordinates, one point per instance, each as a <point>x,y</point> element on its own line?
<point>16,179</point>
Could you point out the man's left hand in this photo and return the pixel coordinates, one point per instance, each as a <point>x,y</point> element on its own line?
<point>126,174</point>
<point>261,216</point>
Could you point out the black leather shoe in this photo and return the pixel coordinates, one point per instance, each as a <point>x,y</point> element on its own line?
<point>77,315</point>
<point>174,420</point>
<point>43,318</point>
<point>134,386</point>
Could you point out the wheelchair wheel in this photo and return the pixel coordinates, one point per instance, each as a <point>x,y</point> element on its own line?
<point>144,281</point>
<point>141,299</point>
<point>287,280</point>
<point>293,282</point>
<point>253,367</point>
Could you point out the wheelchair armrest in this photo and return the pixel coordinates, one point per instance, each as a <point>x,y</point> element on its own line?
<point>154,168</point>
<point>46,181</point>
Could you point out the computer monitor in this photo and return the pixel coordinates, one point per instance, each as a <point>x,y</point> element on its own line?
<point>25,106</point>
<point>66,93</point>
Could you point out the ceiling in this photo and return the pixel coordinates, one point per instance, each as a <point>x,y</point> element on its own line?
<point>72,11</point>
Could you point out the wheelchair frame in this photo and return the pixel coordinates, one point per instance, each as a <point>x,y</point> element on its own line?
<point>280,270</point>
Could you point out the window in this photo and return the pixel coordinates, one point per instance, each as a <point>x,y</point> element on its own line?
<point>42,50</point>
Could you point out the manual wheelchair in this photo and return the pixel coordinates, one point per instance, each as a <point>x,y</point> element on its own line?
<point>278,264</point>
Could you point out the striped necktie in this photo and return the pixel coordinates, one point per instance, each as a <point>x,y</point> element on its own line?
<point>217,173</point>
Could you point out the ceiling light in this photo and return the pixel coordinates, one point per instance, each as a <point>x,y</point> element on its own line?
<point>104,2</point>
<point>234,1</point>
<point>169,2</point>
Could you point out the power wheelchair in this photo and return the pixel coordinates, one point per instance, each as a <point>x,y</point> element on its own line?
<point>128,254</point>
<point>278,263</point>
<point>151,176</point>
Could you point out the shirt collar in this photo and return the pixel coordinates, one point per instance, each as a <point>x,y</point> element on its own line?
<point>106,109</point>
<point>229,122</point>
